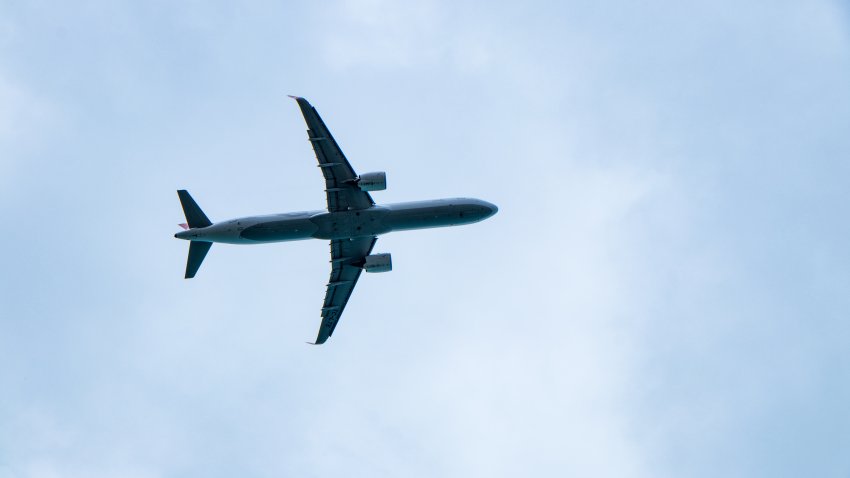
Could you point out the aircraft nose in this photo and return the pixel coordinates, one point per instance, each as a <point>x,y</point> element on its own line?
<point>488,209</point>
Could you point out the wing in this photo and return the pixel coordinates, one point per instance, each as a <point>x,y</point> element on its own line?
<point>340,187</point>
<point>347,256</point>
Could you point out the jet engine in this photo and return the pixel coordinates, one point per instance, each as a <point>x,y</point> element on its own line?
<point>378,263</point>
<point>372,181</point>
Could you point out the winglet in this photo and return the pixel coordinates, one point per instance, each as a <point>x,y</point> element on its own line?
<point>306,108</point>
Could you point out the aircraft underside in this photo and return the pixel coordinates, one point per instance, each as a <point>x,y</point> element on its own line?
<point>351,222</point>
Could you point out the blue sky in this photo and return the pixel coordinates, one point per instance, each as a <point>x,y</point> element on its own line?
<point>664,291</point>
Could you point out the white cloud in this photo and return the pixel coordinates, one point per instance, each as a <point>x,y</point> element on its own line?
<point>623,315</point>
<point>21,112</point>
<point>23,119</point>
<point>379,33</point>
<point>410,35</point>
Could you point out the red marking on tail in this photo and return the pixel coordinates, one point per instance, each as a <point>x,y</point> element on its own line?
<point>184,226</point>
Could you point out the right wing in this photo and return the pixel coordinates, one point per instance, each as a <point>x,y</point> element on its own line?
<point>347,255</point>
<point>340,178</point>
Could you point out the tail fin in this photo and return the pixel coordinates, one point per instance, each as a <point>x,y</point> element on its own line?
<point>197,251</point>
<point>194,216</point>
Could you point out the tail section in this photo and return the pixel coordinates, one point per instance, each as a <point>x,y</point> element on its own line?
<point>197,251</point>
<point>194,216</point>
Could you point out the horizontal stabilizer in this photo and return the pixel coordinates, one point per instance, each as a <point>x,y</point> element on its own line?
<point>194,216</point>
<point>197,251</point>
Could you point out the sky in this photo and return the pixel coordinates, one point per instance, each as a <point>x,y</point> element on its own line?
<point>663,293</point>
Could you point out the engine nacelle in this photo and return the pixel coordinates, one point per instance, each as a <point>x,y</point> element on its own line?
<point>378,263</point>
<point>372,181</point>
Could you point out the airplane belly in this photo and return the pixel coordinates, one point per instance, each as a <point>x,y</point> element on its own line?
<point>348,224</point>
<point>280,230</point>
<point>427,217</point>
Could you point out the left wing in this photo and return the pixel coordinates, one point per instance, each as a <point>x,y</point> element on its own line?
<point>340,179</point>
<point>347,256</point>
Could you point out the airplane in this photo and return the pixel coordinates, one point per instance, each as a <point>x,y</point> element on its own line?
<point>352,221</point>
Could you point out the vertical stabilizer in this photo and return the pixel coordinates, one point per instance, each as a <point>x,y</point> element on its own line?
<point>197,251</point>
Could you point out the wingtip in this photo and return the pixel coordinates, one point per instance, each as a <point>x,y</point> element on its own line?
<point>295,97</point>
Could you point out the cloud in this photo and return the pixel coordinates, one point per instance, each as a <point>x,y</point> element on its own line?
<point>379,33</point>
<point>23,119</point>
<point>662,293</point>
<point>414,35</point>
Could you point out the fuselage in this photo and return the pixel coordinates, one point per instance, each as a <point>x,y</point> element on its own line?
<point>376,220</point>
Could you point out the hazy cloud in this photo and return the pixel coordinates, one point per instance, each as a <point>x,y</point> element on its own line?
<point>663,292</point>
